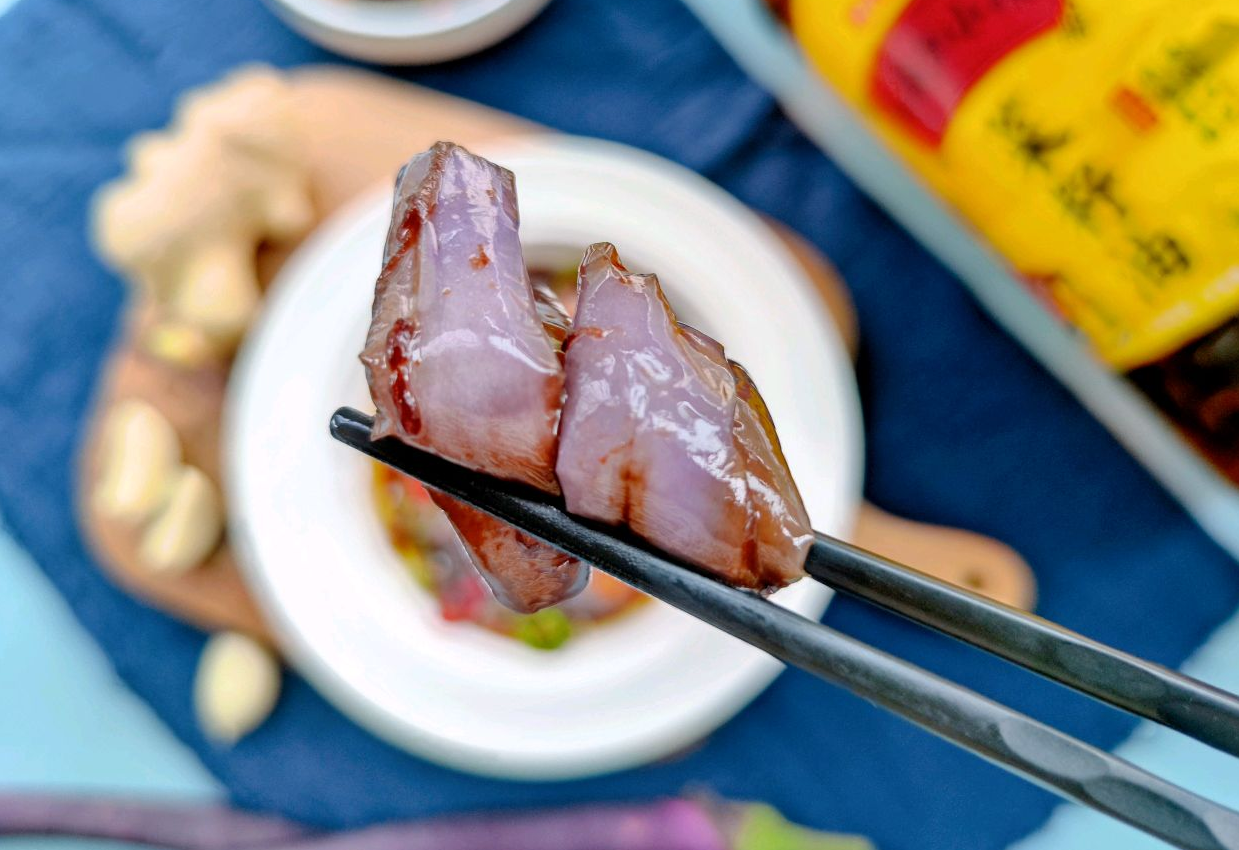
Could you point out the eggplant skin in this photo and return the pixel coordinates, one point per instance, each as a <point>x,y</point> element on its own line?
<point>779,524</point>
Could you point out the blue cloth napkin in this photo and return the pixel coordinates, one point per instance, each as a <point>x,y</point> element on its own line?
<point>963,427</point>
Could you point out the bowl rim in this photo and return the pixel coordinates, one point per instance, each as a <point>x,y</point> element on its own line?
<point>406,20</point>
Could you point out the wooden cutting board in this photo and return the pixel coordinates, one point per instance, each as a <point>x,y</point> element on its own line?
<point>360,127</point>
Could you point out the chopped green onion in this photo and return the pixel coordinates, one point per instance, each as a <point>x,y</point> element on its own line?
<point>549,628</point>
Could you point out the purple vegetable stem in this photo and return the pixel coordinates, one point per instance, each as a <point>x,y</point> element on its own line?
<point>664,825</point>
<point>183,826</point>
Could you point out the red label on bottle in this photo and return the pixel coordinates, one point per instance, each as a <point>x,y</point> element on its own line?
<point>938,49</point>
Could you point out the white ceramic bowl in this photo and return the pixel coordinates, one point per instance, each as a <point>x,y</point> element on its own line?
<point>302,517</point>
<point>406,32</point>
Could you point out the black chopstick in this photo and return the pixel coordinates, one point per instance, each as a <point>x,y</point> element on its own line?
<point>1140,687</point>
<point>1046,756</point>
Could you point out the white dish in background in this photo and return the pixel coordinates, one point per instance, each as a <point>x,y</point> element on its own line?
<point>304,528</point>
<point>406,32</point>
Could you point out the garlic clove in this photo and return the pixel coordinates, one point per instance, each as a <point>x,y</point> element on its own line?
<point>188,527</point>
<point>138,458</point>
<point>237,684</point>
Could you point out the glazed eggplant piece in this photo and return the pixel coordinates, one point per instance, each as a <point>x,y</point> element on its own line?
<point>462,359</point>
<point>457,358</point>
<point>659,430</point>
<point>661,433</point>
<point>523,573</point>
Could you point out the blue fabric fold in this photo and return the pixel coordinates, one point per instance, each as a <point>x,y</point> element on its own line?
<point>962,427</point>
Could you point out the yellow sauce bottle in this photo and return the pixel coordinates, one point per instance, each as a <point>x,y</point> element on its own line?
<point>1095,144</point>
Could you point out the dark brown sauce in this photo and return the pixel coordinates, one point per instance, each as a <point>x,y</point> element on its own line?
<point>748,553</point>
<point>634,487</point>
<point>592,332</point>
<point>408,234</point>
<point>399,341</point>
<point>411,227</point>
<point>558,334</point>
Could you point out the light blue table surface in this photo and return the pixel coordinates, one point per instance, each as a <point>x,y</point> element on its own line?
<point>70,725</point>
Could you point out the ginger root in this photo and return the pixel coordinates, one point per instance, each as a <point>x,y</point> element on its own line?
<point>184,223</point>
